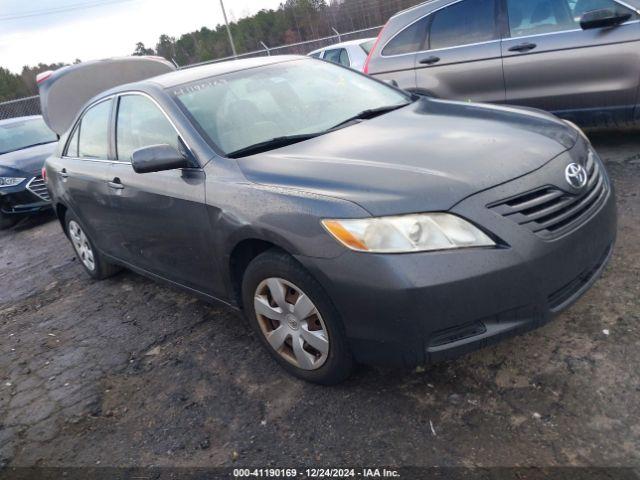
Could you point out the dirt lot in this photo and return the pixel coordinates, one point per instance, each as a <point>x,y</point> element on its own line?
<point>129,373</point>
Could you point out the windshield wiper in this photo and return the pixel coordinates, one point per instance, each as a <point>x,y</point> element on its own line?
<point>279,142</point>
<point>272,144</point>
<point>368,114</point>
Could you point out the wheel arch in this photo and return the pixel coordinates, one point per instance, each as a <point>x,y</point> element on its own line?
<point>61,211</point>
<point>241,255</point>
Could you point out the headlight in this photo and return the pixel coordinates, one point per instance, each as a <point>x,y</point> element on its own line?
<point>407,233</point>
<point>578,129</point>
<point>10,181</point>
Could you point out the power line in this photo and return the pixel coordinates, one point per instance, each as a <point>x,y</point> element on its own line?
<point>68,8</point>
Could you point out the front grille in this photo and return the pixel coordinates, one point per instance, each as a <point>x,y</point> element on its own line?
<point>39,188</point>
<point>549,211</point>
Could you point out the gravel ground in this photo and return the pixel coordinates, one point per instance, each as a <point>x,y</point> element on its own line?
<point>127,372</point>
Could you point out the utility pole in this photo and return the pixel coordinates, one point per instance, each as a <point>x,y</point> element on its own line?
<point>224,13</point>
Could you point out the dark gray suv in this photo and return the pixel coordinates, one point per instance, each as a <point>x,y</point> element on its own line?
<point>368,226</point>
<point>579,59</point>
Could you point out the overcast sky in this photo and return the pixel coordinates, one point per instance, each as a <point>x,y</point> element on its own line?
<point>51,31</point>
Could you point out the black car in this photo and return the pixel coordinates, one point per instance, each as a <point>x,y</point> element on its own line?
<point>25,143</point>
<point>349,220</point>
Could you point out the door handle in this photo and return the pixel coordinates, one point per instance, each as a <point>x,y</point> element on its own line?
<point>430,60</point>
<point>63,173</point>
<point>116,184</point>
<point>523,47</point>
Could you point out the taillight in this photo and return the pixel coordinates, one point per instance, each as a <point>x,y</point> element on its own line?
<point>372,51</point>
<point>44,174</point>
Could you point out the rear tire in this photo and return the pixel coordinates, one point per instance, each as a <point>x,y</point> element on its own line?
<point>93,262</point>
<point>296,321</point>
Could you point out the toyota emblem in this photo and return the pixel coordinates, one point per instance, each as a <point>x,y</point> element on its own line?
<point>576,175</point>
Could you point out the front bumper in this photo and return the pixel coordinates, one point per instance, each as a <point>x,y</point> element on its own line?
<point>411,309</point>
<point>29,197</point>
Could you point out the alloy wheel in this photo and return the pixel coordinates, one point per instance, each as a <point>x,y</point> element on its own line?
<point>291,323</point>
<point>82,245</point>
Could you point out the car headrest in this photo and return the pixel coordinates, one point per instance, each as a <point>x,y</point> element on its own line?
<point>541,12</point>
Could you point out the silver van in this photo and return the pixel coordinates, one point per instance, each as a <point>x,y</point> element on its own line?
<point>579,59</point>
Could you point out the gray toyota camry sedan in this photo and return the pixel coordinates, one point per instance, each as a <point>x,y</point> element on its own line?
<point>350,221</point>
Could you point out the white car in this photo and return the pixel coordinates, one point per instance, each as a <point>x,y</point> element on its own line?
<point>350,54</point>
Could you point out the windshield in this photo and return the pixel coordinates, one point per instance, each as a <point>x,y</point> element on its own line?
<point>303,97</point>
<point>18,135</point>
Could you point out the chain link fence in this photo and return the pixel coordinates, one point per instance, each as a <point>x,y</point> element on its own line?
<point>301,48</point>
<point>22,107</point>
<point>31,105</point>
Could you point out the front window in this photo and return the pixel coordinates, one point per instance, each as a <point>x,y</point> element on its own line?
<point>141,124</point>
<point>242,109</point>
<point>20,134</point>
<point>527,17</point>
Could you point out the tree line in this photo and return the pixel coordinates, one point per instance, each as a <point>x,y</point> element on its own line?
<point>24,84</point>
<point>292,22</point>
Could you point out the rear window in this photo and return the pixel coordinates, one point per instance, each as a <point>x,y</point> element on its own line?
<point>410,40</point>
<point>367,46</point>
<point>464,23</point>
<point>94,132</point>
<point>18,135</point>
<point>338,55</point>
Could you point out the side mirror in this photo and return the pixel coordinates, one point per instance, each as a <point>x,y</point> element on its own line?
<point>393,83</point>
<point>602,18</point>
<point>158,158</point>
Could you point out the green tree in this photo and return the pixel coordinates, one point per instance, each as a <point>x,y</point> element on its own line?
<point>141,50</point>
<point>166,47</point>
<point>29,75</point>
<point>11,86</point>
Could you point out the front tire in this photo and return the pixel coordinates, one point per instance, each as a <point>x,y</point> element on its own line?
<point>295,319</point>
<point>93,262</point>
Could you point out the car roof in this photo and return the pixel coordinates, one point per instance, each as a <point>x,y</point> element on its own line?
<point>198,72</point>
<point>344,44</point>
<point>9,121</point>
<point>423,4</point>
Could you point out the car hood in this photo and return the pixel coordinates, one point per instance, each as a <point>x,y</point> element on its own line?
<point>28,160</point>
<point>427,156</point>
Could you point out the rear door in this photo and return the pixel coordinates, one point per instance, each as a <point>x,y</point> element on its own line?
<point>162,216</point>
<point>85,176</point>
<point>552,64</point>
<point>462,58</point>
<point>397,58</point>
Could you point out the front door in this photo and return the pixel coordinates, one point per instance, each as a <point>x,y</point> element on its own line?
<point>163,217</point>
<point>550,63</point>
<point>463,59</point>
